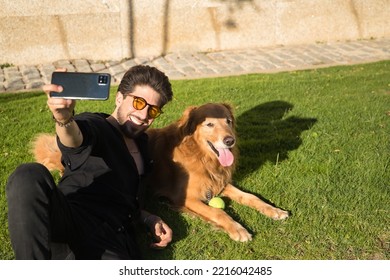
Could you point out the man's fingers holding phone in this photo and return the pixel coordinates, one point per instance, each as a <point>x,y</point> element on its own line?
<point>51,87</point>
<point>48,88</point>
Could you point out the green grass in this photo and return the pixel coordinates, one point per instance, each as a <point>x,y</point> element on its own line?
<point>313,142</point>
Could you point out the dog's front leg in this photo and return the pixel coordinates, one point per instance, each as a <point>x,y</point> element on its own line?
<point>254,202</point>
<point>219,218</point>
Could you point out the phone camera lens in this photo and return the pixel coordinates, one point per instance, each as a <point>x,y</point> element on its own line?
<point>102,80</point>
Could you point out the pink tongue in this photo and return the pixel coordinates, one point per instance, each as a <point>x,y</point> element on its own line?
<point>226,157</point>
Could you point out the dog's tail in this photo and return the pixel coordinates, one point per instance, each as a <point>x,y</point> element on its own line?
<point>46,152</point>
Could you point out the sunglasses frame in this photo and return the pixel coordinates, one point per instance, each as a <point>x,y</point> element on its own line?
<point>150,109</point>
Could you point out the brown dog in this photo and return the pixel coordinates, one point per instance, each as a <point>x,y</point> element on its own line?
<point>194,159</point>
<point>46,152</point>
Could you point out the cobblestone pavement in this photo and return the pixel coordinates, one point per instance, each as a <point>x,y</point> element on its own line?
<point>214,64</point>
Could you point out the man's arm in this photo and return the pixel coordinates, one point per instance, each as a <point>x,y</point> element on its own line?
<point>63,109</point>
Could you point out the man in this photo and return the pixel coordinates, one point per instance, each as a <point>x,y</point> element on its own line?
<point>94,208</point>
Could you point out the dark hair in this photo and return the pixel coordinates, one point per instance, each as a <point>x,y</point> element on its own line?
<point>146,75</point>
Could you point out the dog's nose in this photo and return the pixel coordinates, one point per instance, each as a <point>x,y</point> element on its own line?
<point>229,141</point>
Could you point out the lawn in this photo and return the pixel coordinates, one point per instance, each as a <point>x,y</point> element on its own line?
<point>313,142</point>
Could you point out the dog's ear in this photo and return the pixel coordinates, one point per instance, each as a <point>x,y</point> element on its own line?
<point>230,109</point>
<point>186,123</point>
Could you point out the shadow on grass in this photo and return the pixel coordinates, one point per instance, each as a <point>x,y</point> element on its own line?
<point>266,134</point>
<point>173,218</point>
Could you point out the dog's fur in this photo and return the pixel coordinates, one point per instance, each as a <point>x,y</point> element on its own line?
<point>46,152</point>
<point>194,159</point>
<point>188,171</point>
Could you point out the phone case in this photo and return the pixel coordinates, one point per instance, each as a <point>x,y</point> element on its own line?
<point>78,85</point>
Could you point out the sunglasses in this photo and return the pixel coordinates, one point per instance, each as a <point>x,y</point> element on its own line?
<point>139,104</point>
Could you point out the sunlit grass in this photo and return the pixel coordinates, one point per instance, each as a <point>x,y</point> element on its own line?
<point>314,142</point>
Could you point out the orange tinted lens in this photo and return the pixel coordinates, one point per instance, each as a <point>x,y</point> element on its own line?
<point>139,103</point>
<point>154,112</point>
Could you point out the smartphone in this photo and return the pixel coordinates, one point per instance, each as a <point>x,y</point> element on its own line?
<point>79,85</point>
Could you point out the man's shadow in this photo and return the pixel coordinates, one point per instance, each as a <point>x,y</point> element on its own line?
<point>267,134</point>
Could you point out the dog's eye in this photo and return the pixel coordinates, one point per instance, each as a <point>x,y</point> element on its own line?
<point>229,121</point>
<point>210,124</point>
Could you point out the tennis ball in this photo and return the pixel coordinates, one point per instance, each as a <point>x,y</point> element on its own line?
<point>217,202</point>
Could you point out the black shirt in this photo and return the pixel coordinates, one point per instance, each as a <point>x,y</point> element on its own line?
<point>101,178</point>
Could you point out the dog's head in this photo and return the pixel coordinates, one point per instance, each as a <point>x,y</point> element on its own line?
<point>212,126</point>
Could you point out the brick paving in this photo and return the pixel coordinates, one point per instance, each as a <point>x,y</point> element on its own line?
<point>214,64</point>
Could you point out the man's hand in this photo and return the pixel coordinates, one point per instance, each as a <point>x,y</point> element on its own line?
<point>63,110</point>
<point>161,232</point>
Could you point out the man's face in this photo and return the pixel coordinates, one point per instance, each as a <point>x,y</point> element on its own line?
<point>132,121</point>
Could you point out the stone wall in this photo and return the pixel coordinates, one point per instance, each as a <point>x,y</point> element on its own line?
<point>41,31</point>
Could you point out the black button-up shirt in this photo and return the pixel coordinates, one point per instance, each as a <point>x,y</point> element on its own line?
<point>101,179</point>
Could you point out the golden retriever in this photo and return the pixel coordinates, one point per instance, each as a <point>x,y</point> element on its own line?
<point>46,152</point>
<point>194,159</point>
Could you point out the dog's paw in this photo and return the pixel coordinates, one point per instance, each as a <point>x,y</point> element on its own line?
<point>239,233</point>
<point>279,214</point>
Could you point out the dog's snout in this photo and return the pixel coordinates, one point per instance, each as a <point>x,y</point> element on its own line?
<point>229,141</point>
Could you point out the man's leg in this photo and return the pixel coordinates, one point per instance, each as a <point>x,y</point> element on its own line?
<point>30,192</point>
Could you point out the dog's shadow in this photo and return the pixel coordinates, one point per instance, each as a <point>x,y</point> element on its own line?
<point>267,133</point>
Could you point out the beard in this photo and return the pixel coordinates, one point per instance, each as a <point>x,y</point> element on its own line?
<point>128,127</point>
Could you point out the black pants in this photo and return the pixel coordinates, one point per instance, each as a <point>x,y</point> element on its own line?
<point>39,216</point>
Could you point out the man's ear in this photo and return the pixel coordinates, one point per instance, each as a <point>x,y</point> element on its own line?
<point>118,99</point>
